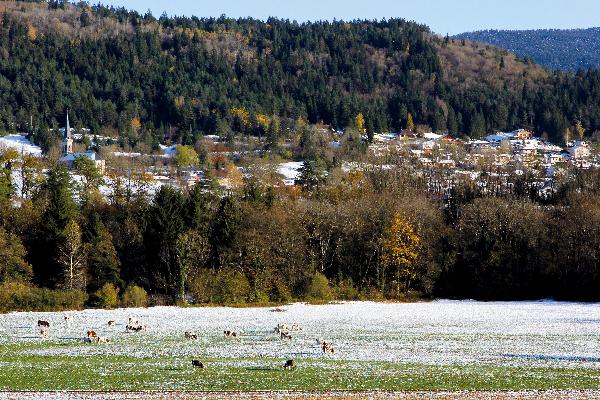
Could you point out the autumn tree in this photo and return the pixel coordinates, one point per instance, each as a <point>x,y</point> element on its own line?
<point>410,124</point>
<point>185,157</point>
<point>579,129</point>
<point>360,122</point>
<point>401,251</point>
<point>72,258</point>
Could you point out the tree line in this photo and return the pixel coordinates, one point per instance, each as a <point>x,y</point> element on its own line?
<point>372,233</point>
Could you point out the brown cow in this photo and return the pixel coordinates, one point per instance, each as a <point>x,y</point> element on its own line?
<point>289,364</point>
<point>92,334</point>
<point>111,323</point>
<point>44,332</point>
<point>198,364</point>
<point>285,335</point>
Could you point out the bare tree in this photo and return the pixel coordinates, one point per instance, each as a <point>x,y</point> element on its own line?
<point>72,258</point>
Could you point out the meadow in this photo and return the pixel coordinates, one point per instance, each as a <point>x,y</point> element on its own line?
<point>438,346</point>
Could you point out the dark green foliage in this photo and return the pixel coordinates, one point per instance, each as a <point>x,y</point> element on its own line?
<point>567,50</point>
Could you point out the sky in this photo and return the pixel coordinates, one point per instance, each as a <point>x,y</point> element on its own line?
<point>442,16</point>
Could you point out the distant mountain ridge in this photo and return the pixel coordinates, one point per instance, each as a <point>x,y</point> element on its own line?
<point>567,50</point>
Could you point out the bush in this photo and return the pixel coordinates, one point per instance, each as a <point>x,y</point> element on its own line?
<point>17,296</point>
<point>134,296</point>
<point>318,289</point>
<point>234,288</point>
<point>347,291</point>
<point>107,296</point>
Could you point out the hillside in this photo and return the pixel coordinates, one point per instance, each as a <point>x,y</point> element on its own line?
<point>175,79</point>
<point>567,50</point>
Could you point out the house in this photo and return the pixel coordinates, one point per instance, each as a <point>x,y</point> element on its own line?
<point>69,157</point>
<point>579,150</point>
<point>522,134</point>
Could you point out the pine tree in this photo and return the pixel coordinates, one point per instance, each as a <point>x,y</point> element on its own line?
<point>103,262</point>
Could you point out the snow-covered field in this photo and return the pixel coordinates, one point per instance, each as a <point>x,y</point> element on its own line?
<point>21,144</point>
<point>440,345</point>
<point>290,171</point>
<point>438,333</point>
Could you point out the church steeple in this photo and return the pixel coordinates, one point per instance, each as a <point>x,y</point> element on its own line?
<point>68,140</point>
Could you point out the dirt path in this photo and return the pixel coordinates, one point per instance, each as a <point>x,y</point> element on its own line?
<point>283,395</point>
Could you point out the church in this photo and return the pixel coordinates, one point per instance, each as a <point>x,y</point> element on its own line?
<point>69,156</point>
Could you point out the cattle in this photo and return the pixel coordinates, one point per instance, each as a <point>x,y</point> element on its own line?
<point>230,333</point>
<point>327,348</point>
<point>198,364</point>
<point>43,323</point>
<point>285,335</point>
<point>44,332</point>
<point>138,328</point>
<point>278,310</point>
<point>190,335</point>
<point>111,323</point>
<point>103,339</point>
<point>289,364</point>
<point>92,334</point>
<point>280,328</point>
<point>296,327</point>
<point>68,318</point>
<point>133,321</point>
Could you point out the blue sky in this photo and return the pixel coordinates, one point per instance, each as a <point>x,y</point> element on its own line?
<point>443,16</point>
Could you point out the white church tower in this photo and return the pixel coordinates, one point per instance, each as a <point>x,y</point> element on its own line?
<point>68,139</point>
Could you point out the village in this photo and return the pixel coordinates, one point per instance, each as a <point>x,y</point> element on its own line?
<point>491,163</point>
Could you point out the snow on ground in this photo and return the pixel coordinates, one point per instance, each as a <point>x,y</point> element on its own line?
<point>531,334</point>
<point>168,151</point>
<point>21,144</point>
<point>290,171</point>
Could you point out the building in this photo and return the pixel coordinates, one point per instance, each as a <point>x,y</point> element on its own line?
<point>69,156</point>
<point>579,150</point>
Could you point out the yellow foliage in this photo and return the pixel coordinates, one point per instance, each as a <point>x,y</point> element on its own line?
<point>31,33</point>
<point>179,102</point>
<point>136,124</point>
<point>242,114</point>
<point>400,249</point>
<point>263,121</point>
<point>360,122</point>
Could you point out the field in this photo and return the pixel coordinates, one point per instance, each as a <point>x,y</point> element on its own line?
<point>436,346</point>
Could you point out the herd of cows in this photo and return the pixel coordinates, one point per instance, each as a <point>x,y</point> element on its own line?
<point>134,326</point>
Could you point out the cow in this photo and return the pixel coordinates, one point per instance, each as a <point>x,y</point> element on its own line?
<point>138,328</point>
<point>103,339</point>
<point>230,333</point>
<point>285,335</point>
<point>133,321</point>
<point>44,332</point>
<point>327,348</point>
<point>278,310</point>
<point>296,327</point>
<point>91,334</point>
<point>280,328</point>
<point>68,318</point>
<point>190,335</point>
<point>111,323</point>
<point>198,364</point>
<point>289,364</point>
<point>43,323</point>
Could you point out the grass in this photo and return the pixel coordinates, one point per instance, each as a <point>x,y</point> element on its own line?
<point>20,370</point>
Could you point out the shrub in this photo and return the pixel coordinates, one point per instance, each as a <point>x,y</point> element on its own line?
<point>17,296</point>
<point>107,296</point>
<point>318,289</point>
<point>135,296</point>
<point>347,291</point>
<point>234,288</point>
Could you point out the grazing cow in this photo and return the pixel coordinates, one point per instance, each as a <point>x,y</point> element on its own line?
<point>289,364</point>
<point>327,348</point>
<point>296,328</point>
<point>133,322</point>
<point>278,310</point>
<point>44,332</point>
<point>230,333</point>
<point>103,339</point>
<point>68,318</point>
<point>285,335</point>
<point>111,323</point>
<point>190,335</point>
<point>92,334</point>
<point>43,323</point>
<point>280,328</point>
<point>198,364</point>
<point>139,328</point>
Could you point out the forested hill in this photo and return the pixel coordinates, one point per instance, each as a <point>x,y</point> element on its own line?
<point>567,50</point>
<point>141,77</point>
